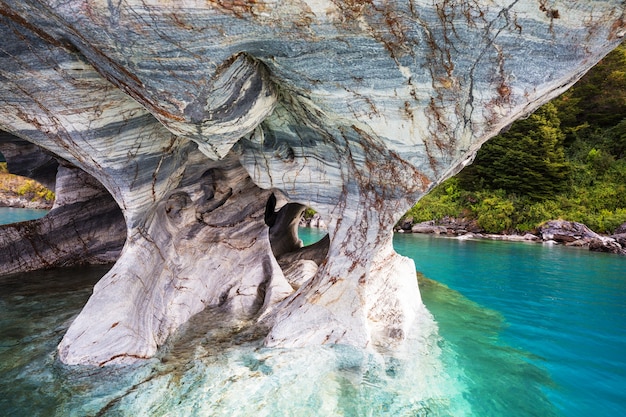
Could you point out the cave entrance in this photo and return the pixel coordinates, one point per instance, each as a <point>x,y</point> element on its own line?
<point>298,251</point>
<point>84,226</point>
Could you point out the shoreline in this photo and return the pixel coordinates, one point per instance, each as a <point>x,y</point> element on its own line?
<point>12,201</point>
<point>552,232</point>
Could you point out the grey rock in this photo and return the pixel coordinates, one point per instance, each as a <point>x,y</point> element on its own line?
<point>620,238</point>
<point>191,115</point>
<point>429,227</point>
<point>563,231</point>
<point>607,245</point>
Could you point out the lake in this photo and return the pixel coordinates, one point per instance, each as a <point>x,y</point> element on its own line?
<point>14,215</point>
<point>522,330</point>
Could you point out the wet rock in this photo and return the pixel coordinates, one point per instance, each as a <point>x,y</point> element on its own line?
<point>357,121</point>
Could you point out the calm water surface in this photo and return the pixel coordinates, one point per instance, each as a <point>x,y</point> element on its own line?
<point>14,215</point>
<point>565,307</point>
<point>518,330</point>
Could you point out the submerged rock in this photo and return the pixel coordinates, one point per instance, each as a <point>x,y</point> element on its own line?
<point>191,115</point>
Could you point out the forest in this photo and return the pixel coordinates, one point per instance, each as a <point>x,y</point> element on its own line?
<point>565,161</point>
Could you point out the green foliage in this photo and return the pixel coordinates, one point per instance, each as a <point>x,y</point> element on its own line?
<point>567,160</point>
<point>308,213</point>
<point>528,160</point>
<point>494,214</point>
<point>600,96</point>
<point>35,191</point>
<point>444,201</point>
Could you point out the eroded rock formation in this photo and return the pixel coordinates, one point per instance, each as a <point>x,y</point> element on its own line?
<point>84,226</point>
<point>192,114</point>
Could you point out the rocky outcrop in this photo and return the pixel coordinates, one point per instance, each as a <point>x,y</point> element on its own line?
<point>563,231</point>
<point>313,221</point>
<point>577,234</point>
<point>11,200</point>
<point>85,226</point>
<point>192,114</point>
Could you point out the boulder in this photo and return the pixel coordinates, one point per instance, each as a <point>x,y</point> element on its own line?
<point>429,227</point>
<point>606,245</point>
<point>620,238</point>
<point>563,231</point>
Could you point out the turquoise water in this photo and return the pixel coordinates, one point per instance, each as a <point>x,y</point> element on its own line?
<point>521,330</point>
<point>560,312</point>
<point>565,307</point>
<point>15,215</point>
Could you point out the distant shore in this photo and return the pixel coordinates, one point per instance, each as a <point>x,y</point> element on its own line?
<point>22,192</point>
<point>11,200</point>
<point>560,232</point>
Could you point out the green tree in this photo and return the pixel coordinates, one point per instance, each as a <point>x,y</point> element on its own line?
<point>599,98</point>
<point>528,160</point>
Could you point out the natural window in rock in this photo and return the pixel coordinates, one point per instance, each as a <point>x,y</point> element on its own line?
<point>311,228</point>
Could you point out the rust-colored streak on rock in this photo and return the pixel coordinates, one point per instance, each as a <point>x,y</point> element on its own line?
<point>23,22</point>
<point>551,13</point>
<point>618,29</point>
<point>239,8</point>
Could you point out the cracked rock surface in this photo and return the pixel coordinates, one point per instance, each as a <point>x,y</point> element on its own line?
<point>193,114</point>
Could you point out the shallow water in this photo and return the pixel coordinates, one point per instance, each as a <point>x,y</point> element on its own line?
<point>565,307</point>
<point>13,215</point>
<point>521,330</point>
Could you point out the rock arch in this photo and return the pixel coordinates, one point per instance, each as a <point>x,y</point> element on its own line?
<point>84,226</point>
<point>192,114</point>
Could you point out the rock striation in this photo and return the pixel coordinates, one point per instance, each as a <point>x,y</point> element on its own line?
<point>85,224</point>
<point>193,114</point>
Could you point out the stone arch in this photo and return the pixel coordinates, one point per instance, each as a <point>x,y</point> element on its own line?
<point>85,225</point>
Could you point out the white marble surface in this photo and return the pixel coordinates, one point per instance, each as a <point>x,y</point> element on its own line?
<point>189,112</point>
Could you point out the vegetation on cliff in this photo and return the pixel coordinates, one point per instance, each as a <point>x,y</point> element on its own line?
<point>567,160</point>
<point>21,192</point>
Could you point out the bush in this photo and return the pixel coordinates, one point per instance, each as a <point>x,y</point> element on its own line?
<point>494,214</point>
<point>445,200</point>
<point>33,190</point>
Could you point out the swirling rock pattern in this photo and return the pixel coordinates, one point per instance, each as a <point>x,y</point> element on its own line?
<point>190,112</point>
